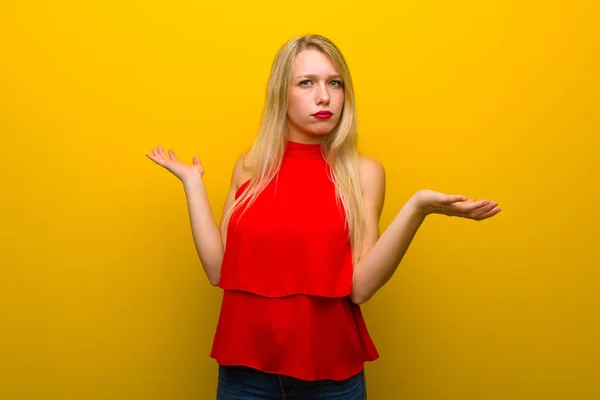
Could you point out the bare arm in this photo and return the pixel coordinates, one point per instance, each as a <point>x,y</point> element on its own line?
<point>379,264</point>
<point>380,256</point>
<point>205,231</point>
<point>209,240</point>
<point>368,280</point>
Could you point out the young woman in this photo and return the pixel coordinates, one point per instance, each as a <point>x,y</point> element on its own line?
<point>299,248</point>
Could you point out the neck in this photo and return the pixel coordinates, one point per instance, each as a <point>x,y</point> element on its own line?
<point>303,150</point>
<point>300,137</point>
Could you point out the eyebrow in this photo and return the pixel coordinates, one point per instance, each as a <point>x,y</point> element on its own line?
<point>315,76</point>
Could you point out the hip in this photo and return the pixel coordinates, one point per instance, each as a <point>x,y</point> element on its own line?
<point>245,383</point>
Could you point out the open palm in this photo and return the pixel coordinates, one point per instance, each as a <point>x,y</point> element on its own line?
<point>178,168</point>
<point>431,202</point>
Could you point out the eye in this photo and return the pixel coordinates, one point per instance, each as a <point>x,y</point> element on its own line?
<point>336,83</point>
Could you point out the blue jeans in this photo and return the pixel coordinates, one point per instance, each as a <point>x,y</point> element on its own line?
<point>244,383</point>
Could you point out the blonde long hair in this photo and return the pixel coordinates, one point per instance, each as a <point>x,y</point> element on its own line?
<point>339,147</point>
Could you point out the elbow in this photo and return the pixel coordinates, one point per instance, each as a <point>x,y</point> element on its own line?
<point>213,272</point>
<point>357,295</point>
<point>358,298</point>
<point>360,294</point>
<point>215,279</point>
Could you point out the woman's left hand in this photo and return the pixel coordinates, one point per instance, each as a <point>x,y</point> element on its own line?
<point>430,202</point>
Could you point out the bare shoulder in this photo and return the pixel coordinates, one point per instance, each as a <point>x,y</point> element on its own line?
<point>242,171</point>
<point>372,183</point>
<point>372,173</point>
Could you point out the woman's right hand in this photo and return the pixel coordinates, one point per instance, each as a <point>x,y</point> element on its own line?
<point>181,170</point>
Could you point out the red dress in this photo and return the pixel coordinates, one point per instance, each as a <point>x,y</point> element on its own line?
<point>287,276</point>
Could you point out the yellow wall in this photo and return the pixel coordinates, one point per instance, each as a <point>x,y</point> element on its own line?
<point>101,293</point>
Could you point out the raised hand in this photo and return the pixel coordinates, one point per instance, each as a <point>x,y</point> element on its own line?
<point>181,170</point>
<point>430,202</point>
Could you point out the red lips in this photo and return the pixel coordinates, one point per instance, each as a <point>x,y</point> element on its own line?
<point>323,113</point>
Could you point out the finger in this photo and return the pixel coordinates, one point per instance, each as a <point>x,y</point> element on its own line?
<point>196,160</point>
<point>489,214</point>
<point>159,156</point>
<point>471,206</point>
<point>483,210</point>
<point>172,155</point>
<point>161,151</point>
<point>156,159</point>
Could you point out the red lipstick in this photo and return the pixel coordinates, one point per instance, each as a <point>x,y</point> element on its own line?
<point>323,114</point>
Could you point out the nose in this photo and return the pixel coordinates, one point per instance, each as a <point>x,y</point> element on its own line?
<point>322,95</point>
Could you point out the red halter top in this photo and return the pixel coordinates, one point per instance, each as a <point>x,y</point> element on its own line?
<point>287,274</point>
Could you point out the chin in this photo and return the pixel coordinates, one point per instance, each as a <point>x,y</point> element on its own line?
<point>322,131</point>
<point>318,133</point>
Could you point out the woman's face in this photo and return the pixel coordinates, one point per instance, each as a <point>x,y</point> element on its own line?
<point>315,86</point>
